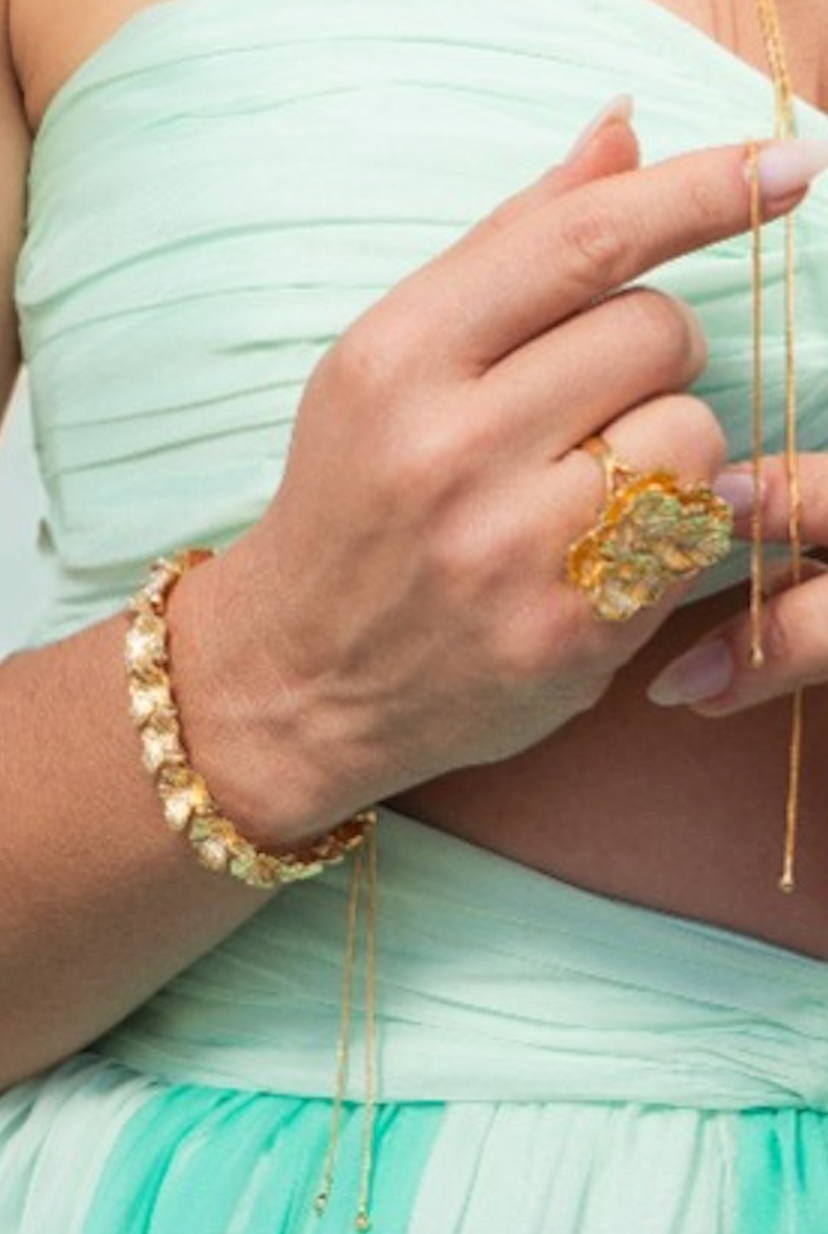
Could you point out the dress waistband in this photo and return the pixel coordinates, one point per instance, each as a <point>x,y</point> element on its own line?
<point>494,983</point>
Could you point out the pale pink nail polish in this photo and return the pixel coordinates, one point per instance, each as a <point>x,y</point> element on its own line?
<point>788,167</point>
<point>619,108</point>
<point>702,673</point>
<point>737,489</point>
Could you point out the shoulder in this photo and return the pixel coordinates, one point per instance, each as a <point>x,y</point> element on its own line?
<point>32,31</point>
<point>48,40</point>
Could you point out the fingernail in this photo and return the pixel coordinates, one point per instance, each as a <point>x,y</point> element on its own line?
<point>619,108</point>
<point>788,167</point>
<point>737,489</point>
<point>702,673</point>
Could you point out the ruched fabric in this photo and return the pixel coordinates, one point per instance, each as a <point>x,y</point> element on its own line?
<point>490,969</point>
<point>214,196</point>
<point>222,188</point>
<point>548,1061</point>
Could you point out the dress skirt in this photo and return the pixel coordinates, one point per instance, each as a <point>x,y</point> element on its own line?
<point>549,1062</point>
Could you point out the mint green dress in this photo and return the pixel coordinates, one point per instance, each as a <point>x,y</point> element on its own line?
<point>215,194</point>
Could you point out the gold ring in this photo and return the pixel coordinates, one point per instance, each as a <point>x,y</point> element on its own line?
<point>652,531</point>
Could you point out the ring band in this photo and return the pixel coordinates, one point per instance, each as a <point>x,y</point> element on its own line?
<point>653,531</point>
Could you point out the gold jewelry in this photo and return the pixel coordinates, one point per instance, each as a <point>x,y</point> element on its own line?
<point>653,531</point>
<point>188,806</point>
<point>784,127</point>
<point>190,809</point>
<point>364,877</point>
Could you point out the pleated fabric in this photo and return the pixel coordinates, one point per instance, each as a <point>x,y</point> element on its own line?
<point>223,187</point>
<point>549,1061</point>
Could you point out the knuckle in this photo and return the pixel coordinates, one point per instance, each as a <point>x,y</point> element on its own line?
<point>593,246</point>
<point>503,216</point>
<point>522,653</point>
<point>695,424</point>
<point>420,471</point>
<point>433,465</point>
<point>706,203</point>
<point>668,331</point>
<point>537,655</point>
<point>535,645</point>
<point>473,556</point>
<point>368,359</point>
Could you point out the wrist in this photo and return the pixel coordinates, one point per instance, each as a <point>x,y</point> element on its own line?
<point>254,735</point>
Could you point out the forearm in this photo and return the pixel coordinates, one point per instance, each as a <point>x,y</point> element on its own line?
<point>100,904</point>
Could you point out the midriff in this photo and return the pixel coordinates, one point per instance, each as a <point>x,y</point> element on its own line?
<point>659,806</point>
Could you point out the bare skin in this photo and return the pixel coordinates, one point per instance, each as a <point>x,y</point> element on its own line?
<point>583,805</point>
<point>733,24</point>
<point>695,827</point>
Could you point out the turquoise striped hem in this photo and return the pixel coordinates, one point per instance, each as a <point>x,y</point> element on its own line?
<point>782,1172</point>
<point>228,1162</point>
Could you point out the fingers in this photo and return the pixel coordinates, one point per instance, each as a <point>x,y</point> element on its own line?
<point>493,297</point>
<point>812,474</point>
<point>716,677</point>
<point>629,349</point>
<point>607,147</point>
<point>555,505</point>
<point>678,433</point>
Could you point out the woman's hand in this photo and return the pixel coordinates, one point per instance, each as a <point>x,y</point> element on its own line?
<point>403,604</point>
<point>716,677</point>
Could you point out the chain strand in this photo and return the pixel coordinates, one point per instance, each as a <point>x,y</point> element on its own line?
<point>784,127</point>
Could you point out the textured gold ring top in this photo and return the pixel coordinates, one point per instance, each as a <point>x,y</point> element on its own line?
<point>652,531</point>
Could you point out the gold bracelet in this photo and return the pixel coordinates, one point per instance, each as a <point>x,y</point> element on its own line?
<point>187,803</point>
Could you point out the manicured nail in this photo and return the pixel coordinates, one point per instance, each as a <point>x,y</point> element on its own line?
<point>619,109</point>
<point>737,489</point>
<point>788,167</point>
<point>702,673</point>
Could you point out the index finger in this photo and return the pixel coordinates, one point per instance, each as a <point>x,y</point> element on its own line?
<point>490,299</point>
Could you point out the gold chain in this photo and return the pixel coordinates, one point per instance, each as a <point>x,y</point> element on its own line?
<point>757,561</point>
<point>784,127</point>
<point>363,879</point>
<point>364,874</point>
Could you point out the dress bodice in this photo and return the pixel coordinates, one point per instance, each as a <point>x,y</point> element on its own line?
<point>223,187</point>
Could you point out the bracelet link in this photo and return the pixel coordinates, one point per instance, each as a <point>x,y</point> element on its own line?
<point>186,801</point>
